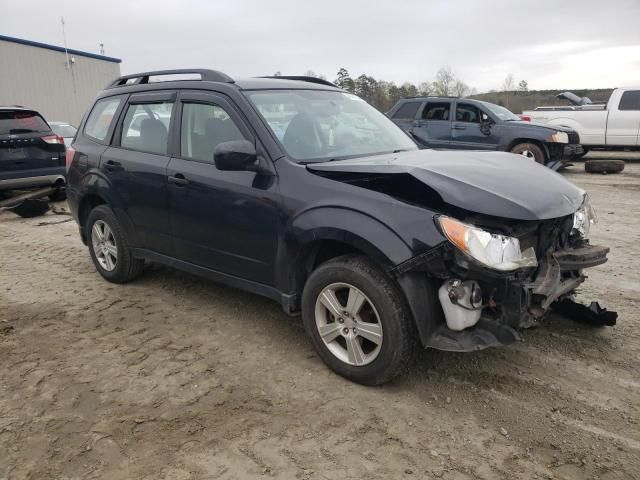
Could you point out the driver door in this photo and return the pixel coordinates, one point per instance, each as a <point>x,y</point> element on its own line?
<point>473,129</point>
<point>226,221</point>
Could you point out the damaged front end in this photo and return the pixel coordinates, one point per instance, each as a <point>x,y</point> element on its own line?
<point>498,276</point>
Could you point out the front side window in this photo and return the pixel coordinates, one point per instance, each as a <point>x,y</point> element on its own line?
<point>502,113</point>
<point>630,100</point>
<point>407,111</point>
<point>101,117</point>
<point>146,127</point>
<point>204,127</point>
<point>467,113</point>
<point>436,111</point>
<point>322,125</point>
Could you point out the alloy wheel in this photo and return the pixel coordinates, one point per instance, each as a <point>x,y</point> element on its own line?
<point>104,245</point>
<point>348,324</point>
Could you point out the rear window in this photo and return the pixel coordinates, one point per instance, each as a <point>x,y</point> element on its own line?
<point>630,100</point>
<point>101,118</point>
<point>17,121</point>
<point>407,111</point>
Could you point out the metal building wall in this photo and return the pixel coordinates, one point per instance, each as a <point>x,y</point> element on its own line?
<point>37,78</point>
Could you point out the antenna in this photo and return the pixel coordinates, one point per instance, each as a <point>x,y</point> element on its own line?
<point>64,37</point>
<point>102,49</point>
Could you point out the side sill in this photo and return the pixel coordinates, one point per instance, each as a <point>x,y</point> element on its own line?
<point>223,278</point>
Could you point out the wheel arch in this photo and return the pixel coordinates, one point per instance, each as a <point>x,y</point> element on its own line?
<point>537,142</point>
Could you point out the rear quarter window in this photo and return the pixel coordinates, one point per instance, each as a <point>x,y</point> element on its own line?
<point>101,118</point>
<point>630,100</point>
<point>20,121</point>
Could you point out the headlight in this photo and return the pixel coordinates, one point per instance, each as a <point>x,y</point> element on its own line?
<point>560,137</point>
<point>584,217</point>
<point>494,251</point>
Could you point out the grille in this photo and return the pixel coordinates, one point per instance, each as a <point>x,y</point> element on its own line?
<point>573,138</point>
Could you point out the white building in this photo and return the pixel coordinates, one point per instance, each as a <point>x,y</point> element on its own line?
<point>59,84</point>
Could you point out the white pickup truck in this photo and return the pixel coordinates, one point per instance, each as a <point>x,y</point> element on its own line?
<point>611,126</point>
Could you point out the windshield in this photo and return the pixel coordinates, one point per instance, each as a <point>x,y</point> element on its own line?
<point>63,130</point>
<point>322,125</point>
<point>500,112</point>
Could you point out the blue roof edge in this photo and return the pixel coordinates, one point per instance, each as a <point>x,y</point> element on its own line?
<point>59,49</point>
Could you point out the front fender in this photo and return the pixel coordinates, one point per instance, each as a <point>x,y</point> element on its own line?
<point>351,227</point>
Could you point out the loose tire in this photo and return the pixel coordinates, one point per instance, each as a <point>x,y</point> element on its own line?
<point>109,248</point>
<point>604,166</point>
<point>59,195</point>
<point>531,151</point>
<point>31,208</point>
<point>358,320</point>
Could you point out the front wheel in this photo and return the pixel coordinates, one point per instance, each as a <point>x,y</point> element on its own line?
<point>358,320</point>
<point>531,151</point>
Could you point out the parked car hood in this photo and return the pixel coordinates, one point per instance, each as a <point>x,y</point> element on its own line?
<point>491,183</point>
<point>555,128</point>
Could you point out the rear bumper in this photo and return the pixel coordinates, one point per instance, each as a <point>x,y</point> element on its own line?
<point>33,182</point>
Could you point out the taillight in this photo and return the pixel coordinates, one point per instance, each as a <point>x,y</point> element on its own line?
<point>53,139</point>
<point>525,118</point>
<point>69,158</point>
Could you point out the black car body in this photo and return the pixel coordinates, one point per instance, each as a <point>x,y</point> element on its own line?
<point>263,185</point>
<point>31,154</point>
<point>466,124</point>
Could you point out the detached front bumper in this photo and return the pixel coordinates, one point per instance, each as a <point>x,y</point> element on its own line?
<point>510,301</point>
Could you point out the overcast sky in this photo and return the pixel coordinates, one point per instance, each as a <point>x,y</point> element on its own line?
<point>551,44</point>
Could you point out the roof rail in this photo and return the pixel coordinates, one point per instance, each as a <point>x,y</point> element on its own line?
<point>304,78</point>
<point>142,78</point>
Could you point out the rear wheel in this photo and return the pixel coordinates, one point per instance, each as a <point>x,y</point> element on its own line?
<point>109,247</point>
<point>531,151</point>
<point>358,320</point>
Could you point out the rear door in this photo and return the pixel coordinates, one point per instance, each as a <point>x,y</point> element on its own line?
<point>406,114</point>
<point>468,130</point>
<point>433,126</point>
<point>136,166</point>
<point>623,123</point>
<point>28,147</point>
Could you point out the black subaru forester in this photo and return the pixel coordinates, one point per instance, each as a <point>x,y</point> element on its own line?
<point>294,189</point>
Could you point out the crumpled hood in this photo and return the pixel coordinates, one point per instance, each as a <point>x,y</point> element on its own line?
<point>542,126</point>
<point>490,183</point>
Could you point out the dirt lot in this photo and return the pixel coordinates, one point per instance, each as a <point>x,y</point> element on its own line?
<point>175,377</point>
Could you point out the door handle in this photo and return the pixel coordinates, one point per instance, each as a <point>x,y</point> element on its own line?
<point>178,179</point>
<point>113,166</point>
<point>459,127</point>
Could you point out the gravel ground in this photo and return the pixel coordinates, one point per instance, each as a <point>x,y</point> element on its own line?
<point>175,377</point>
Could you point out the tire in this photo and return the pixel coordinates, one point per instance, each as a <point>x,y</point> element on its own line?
<point>59,195</point>
<point>121,267</point>
<point>383,303</point>
<point>530,150</point>
<point>31,208</point>
<point>604,166</point>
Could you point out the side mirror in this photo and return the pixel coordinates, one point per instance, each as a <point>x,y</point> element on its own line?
<point>235,155</point>
<point>485,127</point>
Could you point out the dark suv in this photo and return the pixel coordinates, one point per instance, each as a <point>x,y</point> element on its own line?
<point>32,156</point>
<point>294,189</point>
<point>466,124</point>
